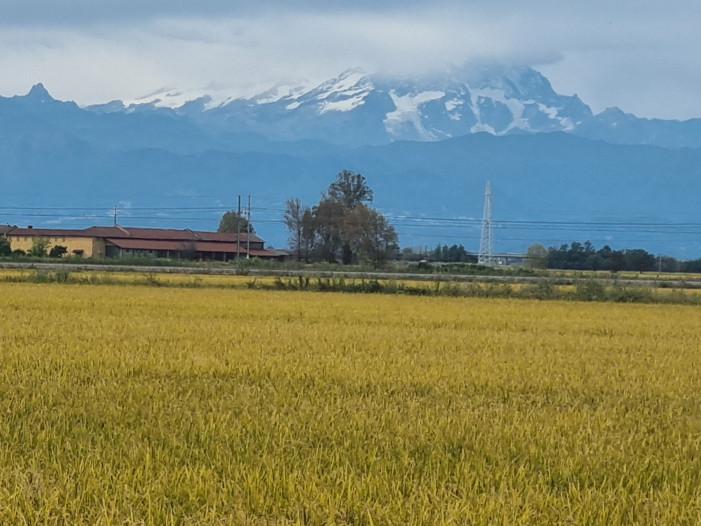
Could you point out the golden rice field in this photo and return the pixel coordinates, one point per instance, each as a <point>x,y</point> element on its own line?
<point>146,405</point>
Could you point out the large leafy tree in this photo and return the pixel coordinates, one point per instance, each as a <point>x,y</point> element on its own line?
<point>342,226</point>
<point>234,222</point>
<point>537,256</point>
<point>372,238</point>
<point>328,218</point>
<point>350,190</point>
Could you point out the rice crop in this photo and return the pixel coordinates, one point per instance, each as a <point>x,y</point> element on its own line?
<point>124,404</point>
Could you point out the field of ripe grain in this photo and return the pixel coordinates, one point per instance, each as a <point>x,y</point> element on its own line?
<point>145,405</point>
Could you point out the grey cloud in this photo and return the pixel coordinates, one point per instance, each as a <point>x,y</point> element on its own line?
<point>598,49</point>
<point>81,12</point>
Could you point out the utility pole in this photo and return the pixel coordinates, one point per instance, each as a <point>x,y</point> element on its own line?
<point>115,215</point>
<point>238,229</point>
<point>248,230</point>
<point>486,248</point>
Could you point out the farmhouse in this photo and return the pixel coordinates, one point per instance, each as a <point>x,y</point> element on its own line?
<point>119,241</point>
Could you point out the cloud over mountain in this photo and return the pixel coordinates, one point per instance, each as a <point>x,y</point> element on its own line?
<point>639,56</point>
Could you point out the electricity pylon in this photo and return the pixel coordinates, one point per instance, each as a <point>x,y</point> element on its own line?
<point>485,254</point>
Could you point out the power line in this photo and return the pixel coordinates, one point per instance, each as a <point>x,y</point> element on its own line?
<point>408,225</point>
<point>681,229</point>
<point>458,221</point>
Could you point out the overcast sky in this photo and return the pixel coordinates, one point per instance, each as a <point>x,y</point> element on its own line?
<point>641,55</point>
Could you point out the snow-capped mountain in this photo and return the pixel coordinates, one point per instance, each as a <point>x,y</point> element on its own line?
<point>356,109</point>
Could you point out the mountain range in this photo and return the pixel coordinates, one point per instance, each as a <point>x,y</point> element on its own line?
<point>427,147</point>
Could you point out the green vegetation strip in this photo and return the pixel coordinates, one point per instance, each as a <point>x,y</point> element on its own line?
<point>553,288</point>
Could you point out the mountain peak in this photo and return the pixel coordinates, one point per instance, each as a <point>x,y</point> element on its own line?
<point>39,93</point>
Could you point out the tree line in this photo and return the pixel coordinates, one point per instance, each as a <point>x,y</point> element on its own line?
<point>441,254</point>
<point>584,256</point>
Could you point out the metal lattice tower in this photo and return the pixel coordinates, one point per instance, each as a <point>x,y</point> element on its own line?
<point>485,254</point>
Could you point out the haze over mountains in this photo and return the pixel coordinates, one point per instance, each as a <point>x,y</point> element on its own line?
<point>427,146</point>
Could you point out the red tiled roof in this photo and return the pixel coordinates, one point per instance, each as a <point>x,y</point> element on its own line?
<point>160,244</point>
<point>198,246</point>
<point>227,236</point>
<point>119,232</point>
<point>105,231</point>
<point>276,252</point>
<point>261,253</point>
<point>47,232</point>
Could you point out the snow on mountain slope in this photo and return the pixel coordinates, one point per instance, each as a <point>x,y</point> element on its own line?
<point>356,108</point>
<point>518,100</point>
<point>343,93</point>
<point>409,111</point>
<point>173,98</point>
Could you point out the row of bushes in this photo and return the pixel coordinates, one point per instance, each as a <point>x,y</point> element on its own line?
<point>87,278</point>
<point>584,290</point>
